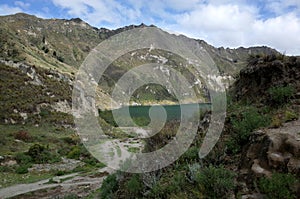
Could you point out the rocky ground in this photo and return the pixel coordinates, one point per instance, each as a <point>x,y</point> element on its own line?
<point>269,150</point>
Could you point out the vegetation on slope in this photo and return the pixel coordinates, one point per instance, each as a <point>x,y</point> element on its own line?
<point>220,174</point>
<point>260,98</point>
<point>19,93</point>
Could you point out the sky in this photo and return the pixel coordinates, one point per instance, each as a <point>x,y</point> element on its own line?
<point>273,23</point>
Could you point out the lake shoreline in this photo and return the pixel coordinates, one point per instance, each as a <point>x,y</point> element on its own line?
<point>150,105</point>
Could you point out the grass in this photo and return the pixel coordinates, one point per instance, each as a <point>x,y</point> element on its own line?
<point>133,149</point>
<point>279,186</point>
<point>59,142</point>
<point>19,95</point>
<point>8,178</point>
<point>44,134</point>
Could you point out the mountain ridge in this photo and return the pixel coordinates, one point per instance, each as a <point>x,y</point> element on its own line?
<point>59,46</point>
<point>70,40</point>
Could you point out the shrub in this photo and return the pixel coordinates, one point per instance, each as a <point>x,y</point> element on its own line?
<point>216,182</point>
<point>278,186</point>
<point>251,120</point>
<point>282,116</point>
<point>74,153</point>
<point>6,169</point>
<point>41,154</point>
<point>109,186</point>
<point>157,191</point>
<point>23,135</point>
<point>276,122</point>
<point>90,160</point>
<point>243,124</point>
<point>177,182</point>
<point>134,186</point>
<point>22,169</point>
<point>190,155</point>
<point>23,158</point>
<point>60,173</point>
<point>193,171</point>
<point>281,94</point>
<point>290,115</point>
<point>233,146</point>
<point>36,151</point>
<point>70,140</point>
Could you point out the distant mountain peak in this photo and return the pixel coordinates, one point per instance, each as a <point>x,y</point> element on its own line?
<point>77,20</point>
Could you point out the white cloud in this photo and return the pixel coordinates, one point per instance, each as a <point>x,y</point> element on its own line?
<point>239,25</point>
<point>22,4</point>
<point>220,22</point>
<point>216,18</point>
<point>281,33</point>
<point>7,10</point>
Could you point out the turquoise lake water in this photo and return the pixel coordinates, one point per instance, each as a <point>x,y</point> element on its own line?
<point>141,113</point>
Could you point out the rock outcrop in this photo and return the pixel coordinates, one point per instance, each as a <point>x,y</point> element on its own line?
<point>263,73</point>
<point>271,150</point>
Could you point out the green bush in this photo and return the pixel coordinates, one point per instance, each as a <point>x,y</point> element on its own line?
<point>90,160</point>
<point>36,152</point>
<point>41,154</point>
<point>290,115</point>
<point>281,94</point>
<point>6,169</point>
<point>158,191</point>
<point>279,186</point>
<point>22,169</point>
<point>233,146</point>
<point>190,155</point>
<point>245,123</point>
<point>134,186</point>
<point>216,182</point>
<point>109,186</point>
<point>70,140</point>
<point>251,120</point>
<point>60,173</point>
<point>74,153</point>
<point>23,158</point>
<point>177,183</point>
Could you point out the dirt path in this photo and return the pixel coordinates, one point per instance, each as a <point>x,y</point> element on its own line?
<point>72,183</point>
<point>66,182</point>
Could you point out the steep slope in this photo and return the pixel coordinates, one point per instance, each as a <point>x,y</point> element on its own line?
<point>55,43</point>
<point>231,61</point>
<point>263,73</point>
<point>64,44</point>
<point>59,46</point>
<point>50,43</point>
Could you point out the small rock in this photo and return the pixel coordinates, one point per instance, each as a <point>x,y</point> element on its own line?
<point>257,169</point>
<point>9,163</point>
<point>56,179</point>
